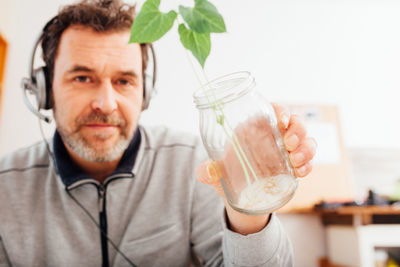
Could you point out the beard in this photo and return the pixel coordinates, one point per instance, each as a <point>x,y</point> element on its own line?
<point>89,151</point>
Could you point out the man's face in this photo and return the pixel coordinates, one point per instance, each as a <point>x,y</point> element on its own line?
<point>98,92</point>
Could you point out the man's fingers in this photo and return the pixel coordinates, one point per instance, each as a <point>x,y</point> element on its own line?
<point>303,153</point>
<point>208,172</point>
<point>303,170</point>
<point>295,134</point>
<point>283,116</point>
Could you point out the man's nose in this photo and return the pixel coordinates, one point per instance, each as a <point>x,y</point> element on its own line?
<point>105,100</point>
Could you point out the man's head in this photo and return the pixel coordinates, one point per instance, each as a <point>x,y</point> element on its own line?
<point>97,78</point>
<point>100,15</point>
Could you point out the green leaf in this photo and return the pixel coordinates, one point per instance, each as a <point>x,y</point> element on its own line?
<point>151,24</point>
<point>203,18</point>
<point>198,43</point>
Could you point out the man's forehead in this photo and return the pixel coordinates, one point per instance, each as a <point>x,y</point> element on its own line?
<point>83,44</point>
<point>86,69</point>
<point>81,35</point>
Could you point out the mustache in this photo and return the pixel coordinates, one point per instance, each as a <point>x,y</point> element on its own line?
<point>98,117</point>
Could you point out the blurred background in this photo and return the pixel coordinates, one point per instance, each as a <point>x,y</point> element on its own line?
<point>336,62</point>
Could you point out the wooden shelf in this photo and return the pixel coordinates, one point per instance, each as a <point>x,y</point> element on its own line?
<point>365,210</point>
<point>353,233</point>
<point>364,215</point>
<point>355,215</point>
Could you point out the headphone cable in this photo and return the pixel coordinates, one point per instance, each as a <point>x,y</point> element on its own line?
<point>80,204</point>
<point>101,230</point>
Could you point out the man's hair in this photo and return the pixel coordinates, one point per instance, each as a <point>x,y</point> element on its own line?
<point>99,15</point>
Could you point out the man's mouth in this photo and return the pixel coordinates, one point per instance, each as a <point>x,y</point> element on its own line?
<point>101,127</point>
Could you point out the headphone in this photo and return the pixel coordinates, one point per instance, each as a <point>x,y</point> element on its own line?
<point>39,83</point>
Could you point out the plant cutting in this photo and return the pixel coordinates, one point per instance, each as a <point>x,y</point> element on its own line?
<point>196,24</point>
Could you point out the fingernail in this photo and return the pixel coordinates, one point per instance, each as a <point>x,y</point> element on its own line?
<point>285,120</point>
<point>301,171</point>
<point>213,173</point>
<point>298,158</point>
<point>291,142</point>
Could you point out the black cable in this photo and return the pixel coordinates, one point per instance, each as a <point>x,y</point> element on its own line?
<point>101,230</point>
<point>45,141</point>
<point>80,205</point>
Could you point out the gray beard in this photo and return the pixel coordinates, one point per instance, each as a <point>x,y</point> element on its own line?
<point>88,151</point>
<point>85,150</point>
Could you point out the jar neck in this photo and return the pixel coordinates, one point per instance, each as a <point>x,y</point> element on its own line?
<point>223,90</point>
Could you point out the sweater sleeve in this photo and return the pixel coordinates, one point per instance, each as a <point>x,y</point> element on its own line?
<point>214,244</point>
<point>269,247</point>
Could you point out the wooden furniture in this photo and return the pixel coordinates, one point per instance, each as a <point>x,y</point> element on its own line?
<point>354,233</point>
<point>3,52</point>
<point>361,215</point>
<point>324,262</point>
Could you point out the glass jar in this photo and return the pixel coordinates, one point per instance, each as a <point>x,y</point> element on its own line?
<point>240,133</point>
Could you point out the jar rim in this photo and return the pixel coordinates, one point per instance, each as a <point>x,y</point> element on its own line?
<point>223,89</point>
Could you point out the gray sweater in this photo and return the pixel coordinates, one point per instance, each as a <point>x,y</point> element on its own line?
<point>156,212</point>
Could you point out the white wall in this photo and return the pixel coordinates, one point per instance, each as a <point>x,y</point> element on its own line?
<point>6,20</point>
<point>308,238</point>
<point>309,51</point>
<point>18,126</point>
<point>343,52</point>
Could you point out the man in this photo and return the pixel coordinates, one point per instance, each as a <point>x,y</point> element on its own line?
<point>111,193</point>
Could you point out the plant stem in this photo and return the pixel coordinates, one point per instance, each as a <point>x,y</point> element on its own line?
<point>194,70</point>
<point>238,155</point>
<point>217,107</point>
<point>214,108</point>
<point>236,140</point>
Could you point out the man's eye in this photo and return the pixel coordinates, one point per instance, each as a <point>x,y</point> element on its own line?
<point>82,79</point>
<point>124,82</point>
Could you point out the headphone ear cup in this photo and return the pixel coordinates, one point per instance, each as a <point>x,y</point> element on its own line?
<point>148,88</point>
<point>49,99</point>
<point>39,82</point>
<point>42,83</point>
<point>149,80</point>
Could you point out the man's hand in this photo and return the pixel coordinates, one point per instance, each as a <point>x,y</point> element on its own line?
<point>301,149</point>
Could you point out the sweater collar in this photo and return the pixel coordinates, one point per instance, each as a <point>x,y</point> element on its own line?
<point>71,173</point>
